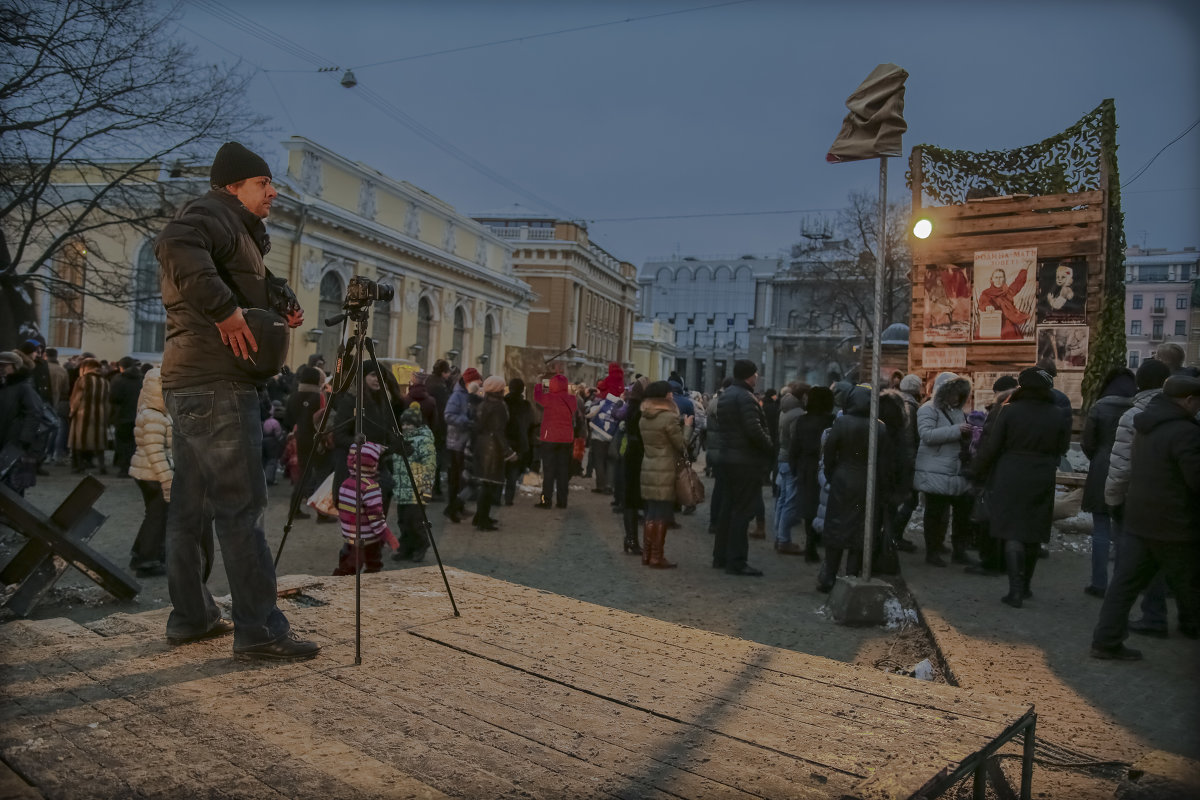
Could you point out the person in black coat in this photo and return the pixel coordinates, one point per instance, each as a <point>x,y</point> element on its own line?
<point>1099,433</point>
<point>805,458</point>
<point>746,455</point>
<point>846,470</point>
<point>1162,517</point>
<point>377,422</point>
<point>124,389</point>
<point>1019,458</point>
<point>631,471</point>
<point>517,432</point>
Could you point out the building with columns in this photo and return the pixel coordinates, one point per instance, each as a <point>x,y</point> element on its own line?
<point>715,304</point>
<point>585,296</point>
<point>654,350</point>
<point>456,291</point>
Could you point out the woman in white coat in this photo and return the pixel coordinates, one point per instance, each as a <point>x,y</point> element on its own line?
<point>151,467</point>
<point>942,431</point>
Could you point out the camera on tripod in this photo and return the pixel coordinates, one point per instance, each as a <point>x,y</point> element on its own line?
<point>363,291</point>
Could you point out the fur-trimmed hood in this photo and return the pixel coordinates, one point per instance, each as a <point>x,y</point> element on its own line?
<point>945,384</point>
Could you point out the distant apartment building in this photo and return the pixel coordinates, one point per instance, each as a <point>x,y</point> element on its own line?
<point>586,297</point>
<point>1160,295</point>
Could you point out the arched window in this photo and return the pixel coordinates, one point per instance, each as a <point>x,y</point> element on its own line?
<point>424,327</point>
<point>381,327</point>
<point>330,305</point>
<point>149,316</point>
<point>489,333</point>
<point>460,331</point>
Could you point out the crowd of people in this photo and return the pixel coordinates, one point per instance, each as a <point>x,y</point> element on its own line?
<point>985,477</point>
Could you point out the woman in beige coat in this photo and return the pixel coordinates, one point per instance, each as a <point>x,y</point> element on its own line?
<point>661,431</point>
<point>151,467</point>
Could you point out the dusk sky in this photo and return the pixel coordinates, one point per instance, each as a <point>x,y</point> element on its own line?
<point>725,108</point>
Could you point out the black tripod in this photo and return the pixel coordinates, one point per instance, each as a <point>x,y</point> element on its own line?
<point>360,315</point>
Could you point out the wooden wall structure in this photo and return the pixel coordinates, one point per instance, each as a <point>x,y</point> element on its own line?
<point>1060,226</point>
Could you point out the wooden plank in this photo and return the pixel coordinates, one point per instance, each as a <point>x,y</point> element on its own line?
<point>1003,206</point>
<point>1029,220</point>
<point>76,505</point>
<point>936,249</point>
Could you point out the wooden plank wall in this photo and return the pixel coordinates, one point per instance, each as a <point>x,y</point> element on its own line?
<point>1058,225</point>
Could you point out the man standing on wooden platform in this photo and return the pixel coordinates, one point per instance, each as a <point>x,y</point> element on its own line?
<point>212,267</point>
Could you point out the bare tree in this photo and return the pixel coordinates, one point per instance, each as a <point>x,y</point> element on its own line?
<point>98,98</point>
<point>845,265</point>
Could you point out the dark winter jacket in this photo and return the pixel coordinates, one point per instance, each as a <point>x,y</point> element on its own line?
<point>771,412</point>
<point>376,420</point>
<point>790,411</point>
<point>212,263</point>
<point>303,404</point>
<point>745,440</point>
<point>520,421</point>
<point>490,445</point>
<point>19,411</point>
<point>418,393</point>
<point>559,408</point>
<point>684,403</point>
<point>846,469</point>
<point>1163,503</point>
<point>440,392</point>
<point>1099,433</point>
<point>123,393</point>
<point>662,440</point>
<point>633,453</point>
<point>806,459</point>
<point>1019,460</point>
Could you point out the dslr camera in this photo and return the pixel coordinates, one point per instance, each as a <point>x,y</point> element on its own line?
<point>363,291</point>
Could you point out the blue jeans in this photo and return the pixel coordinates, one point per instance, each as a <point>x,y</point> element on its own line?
<point>786,504</point>
<point>217,445</point>
<point>1106,531</point>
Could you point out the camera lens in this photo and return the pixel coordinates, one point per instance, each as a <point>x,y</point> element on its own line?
<point>384,292</point>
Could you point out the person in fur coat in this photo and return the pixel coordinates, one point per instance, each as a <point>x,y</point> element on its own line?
<point>89,417</point>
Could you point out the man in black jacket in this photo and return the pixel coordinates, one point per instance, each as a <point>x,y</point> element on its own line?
<point>124,388</point>
<point>1162,517</point>
<point>746,453</point>
<point>212,267</point>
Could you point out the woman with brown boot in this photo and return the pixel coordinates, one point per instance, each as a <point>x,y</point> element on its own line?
<point>661,432</point>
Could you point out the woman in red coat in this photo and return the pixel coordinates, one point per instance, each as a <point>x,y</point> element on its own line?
<point>1001,297</point>
<point>559,408</point>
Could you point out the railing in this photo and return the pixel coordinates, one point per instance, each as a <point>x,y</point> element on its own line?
<point>1158,311</point>
<point>540,234</point>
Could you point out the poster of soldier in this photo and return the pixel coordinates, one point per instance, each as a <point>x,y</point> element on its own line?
<point>1065,345</point>
<point>1005,295</point>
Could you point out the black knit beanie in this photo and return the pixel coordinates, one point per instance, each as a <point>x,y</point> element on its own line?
<point>234,163</point>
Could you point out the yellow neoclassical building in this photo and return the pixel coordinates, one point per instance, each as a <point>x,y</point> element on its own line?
<point>456,295</point>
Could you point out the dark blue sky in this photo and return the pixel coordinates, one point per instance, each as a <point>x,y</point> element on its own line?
<point>729,109</point>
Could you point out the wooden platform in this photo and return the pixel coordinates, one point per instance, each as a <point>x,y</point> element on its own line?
<point>527,694</point>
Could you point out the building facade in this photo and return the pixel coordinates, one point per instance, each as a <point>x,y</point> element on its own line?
<point>654,351</point>
<point>455,291</point>
<point>1160,289</point>
<point>715,304</point>
<point>586,299</point>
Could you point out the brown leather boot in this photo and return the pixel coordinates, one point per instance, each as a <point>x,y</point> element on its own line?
<point>647,541</point>
<point>660,537</point>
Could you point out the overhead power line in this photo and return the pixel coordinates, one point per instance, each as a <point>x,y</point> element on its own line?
<point>716,214</point>
<point>1146,166</point>
<point>546,34</point>
<point>379,102</point>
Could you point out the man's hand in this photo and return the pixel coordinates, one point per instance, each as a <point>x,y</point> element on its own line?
<point>236,333</point>
<point>295,318</point>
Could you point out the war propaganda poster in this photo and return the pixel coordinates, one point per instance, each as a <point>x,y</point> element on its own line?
<point>947,303</point>
<point>1065,345</point>
<point>1005,295</point>
<point>981,388</point>
<point>1062,291</point>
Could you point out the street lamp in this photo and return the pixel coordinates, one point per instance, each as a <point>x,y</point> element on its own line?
<point>314,335</point>
<point>483,360</point>
<point>922,228</point>
<point>451,356</point>
<point>414,350</point>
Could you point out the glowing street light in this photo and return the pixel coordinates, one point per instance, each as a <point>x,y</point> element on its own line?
<point>922,229</point>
